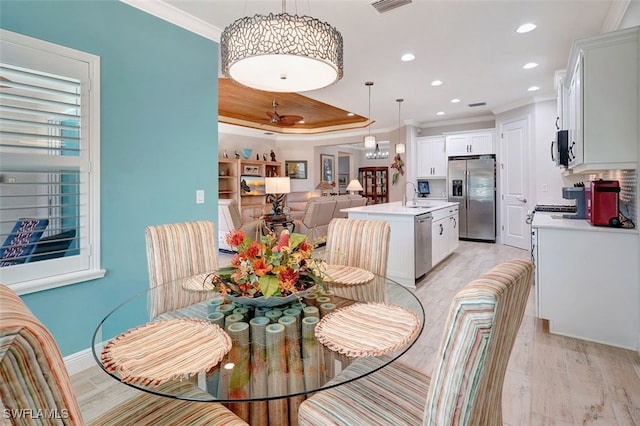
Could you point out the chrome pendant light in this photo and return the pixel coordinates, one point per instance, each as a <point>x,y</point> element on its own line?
<point>369,141</point>
<point>400,146</point>
<point>282,52</point>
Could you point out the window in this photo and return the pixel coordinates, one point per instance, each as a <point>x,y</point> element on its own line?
<point>49,164</point>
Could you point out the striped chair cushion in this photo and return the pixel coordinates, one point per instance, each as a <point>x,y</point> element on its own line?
<point>393,396</point>
<point>363,244</point>
<point>466,387</point>
<point>33,377</point>
<point>176,251</point>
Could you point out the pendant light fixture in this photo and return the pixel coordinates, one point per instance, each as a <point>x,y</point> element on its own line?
<point>282,52</point>
<point>400,146</point>
<point>369,141</point>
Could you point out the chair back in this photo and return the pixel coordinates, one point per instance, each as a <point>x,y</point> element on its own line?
<point>175,251</point>
<point>32,372</point>
<point>484,318</point>
<point>363,244</point>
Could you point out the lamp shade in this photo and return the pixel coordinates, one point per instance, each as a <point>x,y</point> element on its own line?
<point>369,142</point>
<point>400,148</point>
<point>277,185</point>
<point>355,185</point>
<point>282,53</point>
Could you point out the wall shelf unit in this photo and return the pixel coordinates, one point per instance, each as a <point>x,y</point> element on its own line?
<point>243,181</point>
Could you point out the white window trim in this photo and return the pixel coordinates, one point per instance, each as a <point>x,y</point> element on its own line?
<point>94,270</point>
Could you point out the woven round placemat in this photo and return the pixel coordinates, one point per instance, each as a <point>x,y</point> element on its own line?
<point>368,329</point>
<point>347,275</point>
<point>161,351</point>
<point>200,282</point>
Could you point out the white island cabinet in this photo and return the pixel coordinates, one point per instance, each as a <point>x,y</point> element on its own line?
<point>587,280</point>
<point>401,264</point>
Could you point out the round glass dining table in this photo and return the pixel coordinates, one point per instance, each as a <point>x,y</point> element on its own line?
<point>181,341</point>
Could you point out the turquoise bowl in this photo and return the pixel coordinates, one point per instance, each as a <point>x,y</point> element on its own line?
<point>246,153</point>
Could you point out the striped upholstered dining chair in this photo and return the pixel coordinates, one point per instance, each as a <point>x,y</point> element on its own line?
<point>34,382</point>
<point>175,251</point>
<point>466,385</point>
<point>363,244</point>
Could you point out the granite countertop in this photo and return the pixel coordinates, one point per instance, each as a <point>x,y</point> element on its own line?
<point>396,208</point>
<point>555,220</point>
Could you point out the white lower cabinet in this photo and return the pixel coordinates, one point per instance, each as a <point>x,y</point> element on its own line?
<point>444,233</point>
<point>587,284</point>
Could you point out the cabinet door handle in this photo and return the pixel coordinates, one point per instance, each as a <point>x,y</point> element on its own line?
<point>455,223</point>
<point>441,229</point>
<point>557,119</point>
<point>552,157</point>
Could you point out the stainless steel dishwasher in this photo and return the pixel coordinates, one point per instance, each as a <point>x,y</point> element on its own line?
<point>422,243</point>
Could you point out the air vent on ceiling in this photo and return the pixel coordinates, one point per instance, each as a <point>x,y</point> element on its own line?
<point>477,104</point>
<point>383,6</point>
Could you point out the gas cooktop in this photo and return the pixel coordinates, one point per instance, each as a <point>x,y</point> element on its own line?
<point>555,208</point>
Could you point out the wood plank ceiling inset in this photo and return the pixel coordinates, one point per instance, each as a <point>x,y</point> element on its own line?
<point>248,107</point>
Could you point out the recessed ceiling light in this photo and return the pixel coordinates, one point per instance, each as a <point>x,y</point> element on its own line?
<point>455,100</point>
<point>525,28</point>
<point>301,122</point>
<point>530,65</point>
<point>350,114</point>
<point>533,88</point>
<point>408,57</point>
<point>436,83</point>
<point>440,113</point>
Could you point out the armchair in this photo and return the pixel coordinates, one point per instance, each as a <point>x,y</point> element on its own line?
<point>229,219</point>
<point>22,240</point>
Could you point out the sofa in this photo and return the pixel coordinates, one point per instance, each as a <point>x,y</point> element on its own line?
<point>319,211</point>
<point>229,219</point>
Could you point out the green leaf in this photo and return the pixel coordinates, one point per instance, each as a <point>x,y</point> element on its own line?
<point>296,239</point>
<point>226,272</point>
<point>269,285</point>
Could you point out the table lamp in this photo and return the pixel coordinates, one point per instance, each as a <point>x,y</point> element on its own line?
<point>276,189</point>
<point>354,186</point>
<point>324,187</point>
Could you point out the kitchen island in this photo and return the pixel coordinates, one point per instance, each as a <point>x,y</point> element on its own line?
<point>587,280</point>
<point>422,235</point>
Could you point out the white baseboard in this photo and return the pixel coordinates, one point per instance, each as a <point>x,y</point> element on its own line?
<point>79,361</point>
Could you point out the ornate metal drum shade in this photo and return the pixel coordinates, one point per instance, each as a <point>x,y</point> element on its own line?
<point>282,53</point>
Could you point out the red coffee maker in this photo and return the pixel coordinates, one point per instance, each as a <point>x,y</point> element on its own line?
<point>602,203</point>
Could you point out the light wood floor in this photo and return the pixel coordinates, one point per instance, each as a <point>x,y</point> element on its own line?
<point>551,380</point>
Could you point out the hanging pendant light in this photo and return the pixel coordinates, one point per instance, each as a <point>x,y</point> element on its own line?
<point>400,146</point>
<point>369,141</point>
<point>282,52</point>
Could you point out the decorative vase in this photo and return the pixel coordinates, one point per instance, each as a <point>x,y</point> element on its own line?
<point>246,153</point>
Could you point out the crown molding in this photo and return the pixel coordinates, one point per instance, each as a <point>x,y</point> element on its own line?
<point>457,121</point>
<point>172,14</point>
<point>617,10</point>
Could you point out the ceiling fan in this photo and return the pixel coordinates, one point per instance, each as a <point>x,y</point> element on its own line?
<point>282,120</point>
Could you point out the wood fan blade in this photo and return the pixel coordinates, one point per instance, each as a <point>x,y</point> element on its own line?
<point>289,120</point>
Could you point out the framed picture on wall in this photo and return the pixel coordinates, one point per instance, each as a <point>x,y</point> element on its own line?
<point>295,169</point>
<point>251,170</point>
<point>326,168</point>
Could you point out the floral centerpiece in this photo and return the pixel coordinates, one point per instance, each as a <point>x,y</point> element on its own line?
<point>274,266</point>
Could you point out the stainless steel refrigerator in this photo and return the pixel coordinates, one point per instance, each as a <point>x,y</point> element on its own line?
<point>472,183</point>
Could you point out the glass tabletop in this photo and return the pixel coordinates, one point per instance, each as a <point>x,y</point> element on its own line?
<point>179,341</point>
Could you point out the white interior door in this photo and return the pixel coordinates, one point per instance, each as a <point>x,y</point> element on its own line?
<point>514,158</point>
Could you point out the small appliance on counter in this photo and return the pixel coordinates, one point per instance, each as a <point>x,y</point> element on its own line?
<point>576,193</point>
<point>603,204</point>
<point>423,188</point>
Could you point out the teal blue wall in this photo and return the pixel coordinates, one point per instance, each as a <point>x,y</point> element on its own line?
<point>159,103</point>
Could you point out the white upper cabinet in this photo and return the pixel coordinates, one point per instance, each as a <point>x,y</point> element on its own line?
<point>473,143</point>
<point>431,157</point>
<point>603,109</point>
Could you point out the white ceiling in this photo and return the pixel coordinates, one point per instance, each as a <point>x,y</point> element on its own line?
<point>471,45</point>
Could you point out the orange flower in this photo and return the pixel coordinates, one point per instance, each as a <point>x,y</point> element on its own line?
<point>288,278</point>
<point>305,246</point>
<point>236,237</point>
<point>260,267</point>
<point>236,259</point>
<point>254,250</point>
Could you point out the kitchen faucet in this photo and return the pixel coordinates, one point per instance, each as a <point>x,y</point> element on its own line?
<point>404,194</point>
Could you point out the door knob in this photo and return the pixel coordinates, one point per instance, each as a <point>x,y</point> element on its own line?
<point>521,199</point>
